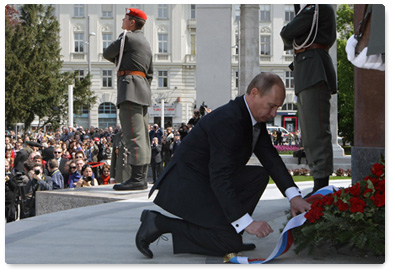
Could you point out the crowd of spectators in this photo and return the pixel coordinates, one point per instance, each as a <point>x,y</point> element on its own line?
<point>73,157</point>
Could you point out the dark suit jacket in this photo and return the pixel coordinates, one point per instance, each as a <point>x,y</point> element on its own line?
<point>197,184</point>
<point>137,56</point>
<point>315,65</point>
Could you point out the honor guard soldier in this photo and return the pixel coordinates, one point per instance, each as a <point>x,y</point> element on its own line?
<point>311,34</point>
<point>132,55</point>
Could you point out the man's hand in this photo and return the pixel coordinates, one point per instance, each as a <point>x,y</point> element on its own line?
<point>259,228</point>
<point>298,204</point>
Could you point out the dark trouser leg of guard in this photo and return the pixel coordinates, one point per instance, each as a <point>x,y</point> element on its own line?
<point>134,122</point>
<point>314,115</point>
<point>250,184</point>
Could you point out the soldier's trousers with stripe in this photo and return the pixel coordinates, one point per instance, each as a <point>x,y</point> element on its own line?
<point>314,115</point>
<point>134,121</point>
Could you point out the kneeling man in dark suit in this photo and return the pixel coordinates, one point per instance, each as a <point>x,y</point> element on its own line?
<point>208,183</point>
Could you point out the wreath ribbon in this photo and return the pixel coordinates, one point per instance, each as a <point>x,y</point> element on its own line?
<point>286,238</point>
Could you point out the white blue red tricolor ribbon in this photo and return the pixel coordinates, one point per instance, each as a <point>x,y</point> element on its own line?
<point>286,238</point>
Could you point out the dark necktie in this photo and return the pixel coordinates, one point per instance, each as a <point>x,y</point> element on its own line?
<point>256,129</point>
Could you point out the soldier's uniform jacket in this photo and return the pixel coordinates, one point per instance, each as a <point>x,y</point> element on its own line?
<point>137,56</point>
<point>313,65</point>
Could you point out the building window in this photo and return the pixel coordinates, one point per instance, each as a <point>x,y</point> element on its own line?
<point>163,11</point>
<point>289,106</point>
<point>79,42</point>
<point>193,11</point>
<point>265,13</point>
<point>84,110</point>
<point>107,78</point>
<point>289,79</point>
<point>163,80</point>
<point>265,45</point>
<point>81,75</point>
<point>79,10</point>
<point>289,12</point>
<point>107,108</point>
<point>106,11</point>
<point>107,40</point>
<point>162,42</point>
<point>107,115</point>
<point>83,118</point>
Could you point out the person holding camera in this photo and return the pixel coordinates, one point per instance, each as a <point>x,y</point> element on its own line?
<point>37,182</point>
<point>196,117</point>
<point>87,180</point>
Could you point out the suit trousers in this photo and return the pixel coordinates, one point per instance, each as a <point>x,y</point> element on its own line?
<point>250,184</point>
<point>314,114</point>
<point>134,122</point>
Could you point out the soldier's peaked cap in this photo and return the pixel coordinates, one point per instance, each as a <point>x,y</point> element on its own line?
<point>137,13</point>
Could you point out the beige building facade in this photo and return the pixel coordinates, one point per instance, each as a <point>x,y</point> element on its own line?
<point>86,30</point>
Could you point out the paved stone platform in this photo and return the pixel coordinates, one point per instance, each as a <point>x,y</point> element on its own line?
<point>105,234</point>
<point>58,200</point>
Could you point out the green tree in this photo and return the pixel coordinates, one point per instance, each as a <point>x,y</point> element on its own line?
<point>345,73</point>
<point>35,85</point>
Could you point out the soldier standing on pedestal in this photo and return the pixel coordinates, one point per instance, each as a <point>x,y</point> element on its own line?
<point>310,34</point>
<point>133,57</point>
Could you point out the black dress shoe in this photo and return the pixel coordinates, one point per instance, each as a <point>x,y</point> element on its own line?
<point>131,186</point>
<point>148,232</point>
<point>247,247</point>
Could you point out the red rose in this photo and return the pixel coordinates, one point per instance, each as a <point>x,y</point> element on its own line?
<point>380,185</point>
<point>314,214</point>
<point>357,205</point>
<point>328,200</point>
<point>378,199</point>
<point>355,190</point>
<point>341,205</point>
<point>378,169</point>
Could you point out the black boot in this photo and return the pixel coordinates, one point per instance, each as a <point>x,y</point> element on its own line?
<point>318,184</point>
<point>137,181</point>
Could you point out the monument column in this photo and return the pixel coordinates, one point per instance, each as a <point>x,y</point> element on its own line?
<point>213,55</point>
<point>248,45</point>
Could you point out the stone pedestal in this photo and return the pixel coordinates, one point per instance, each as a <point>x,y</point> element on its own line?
<point>369,116</point>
